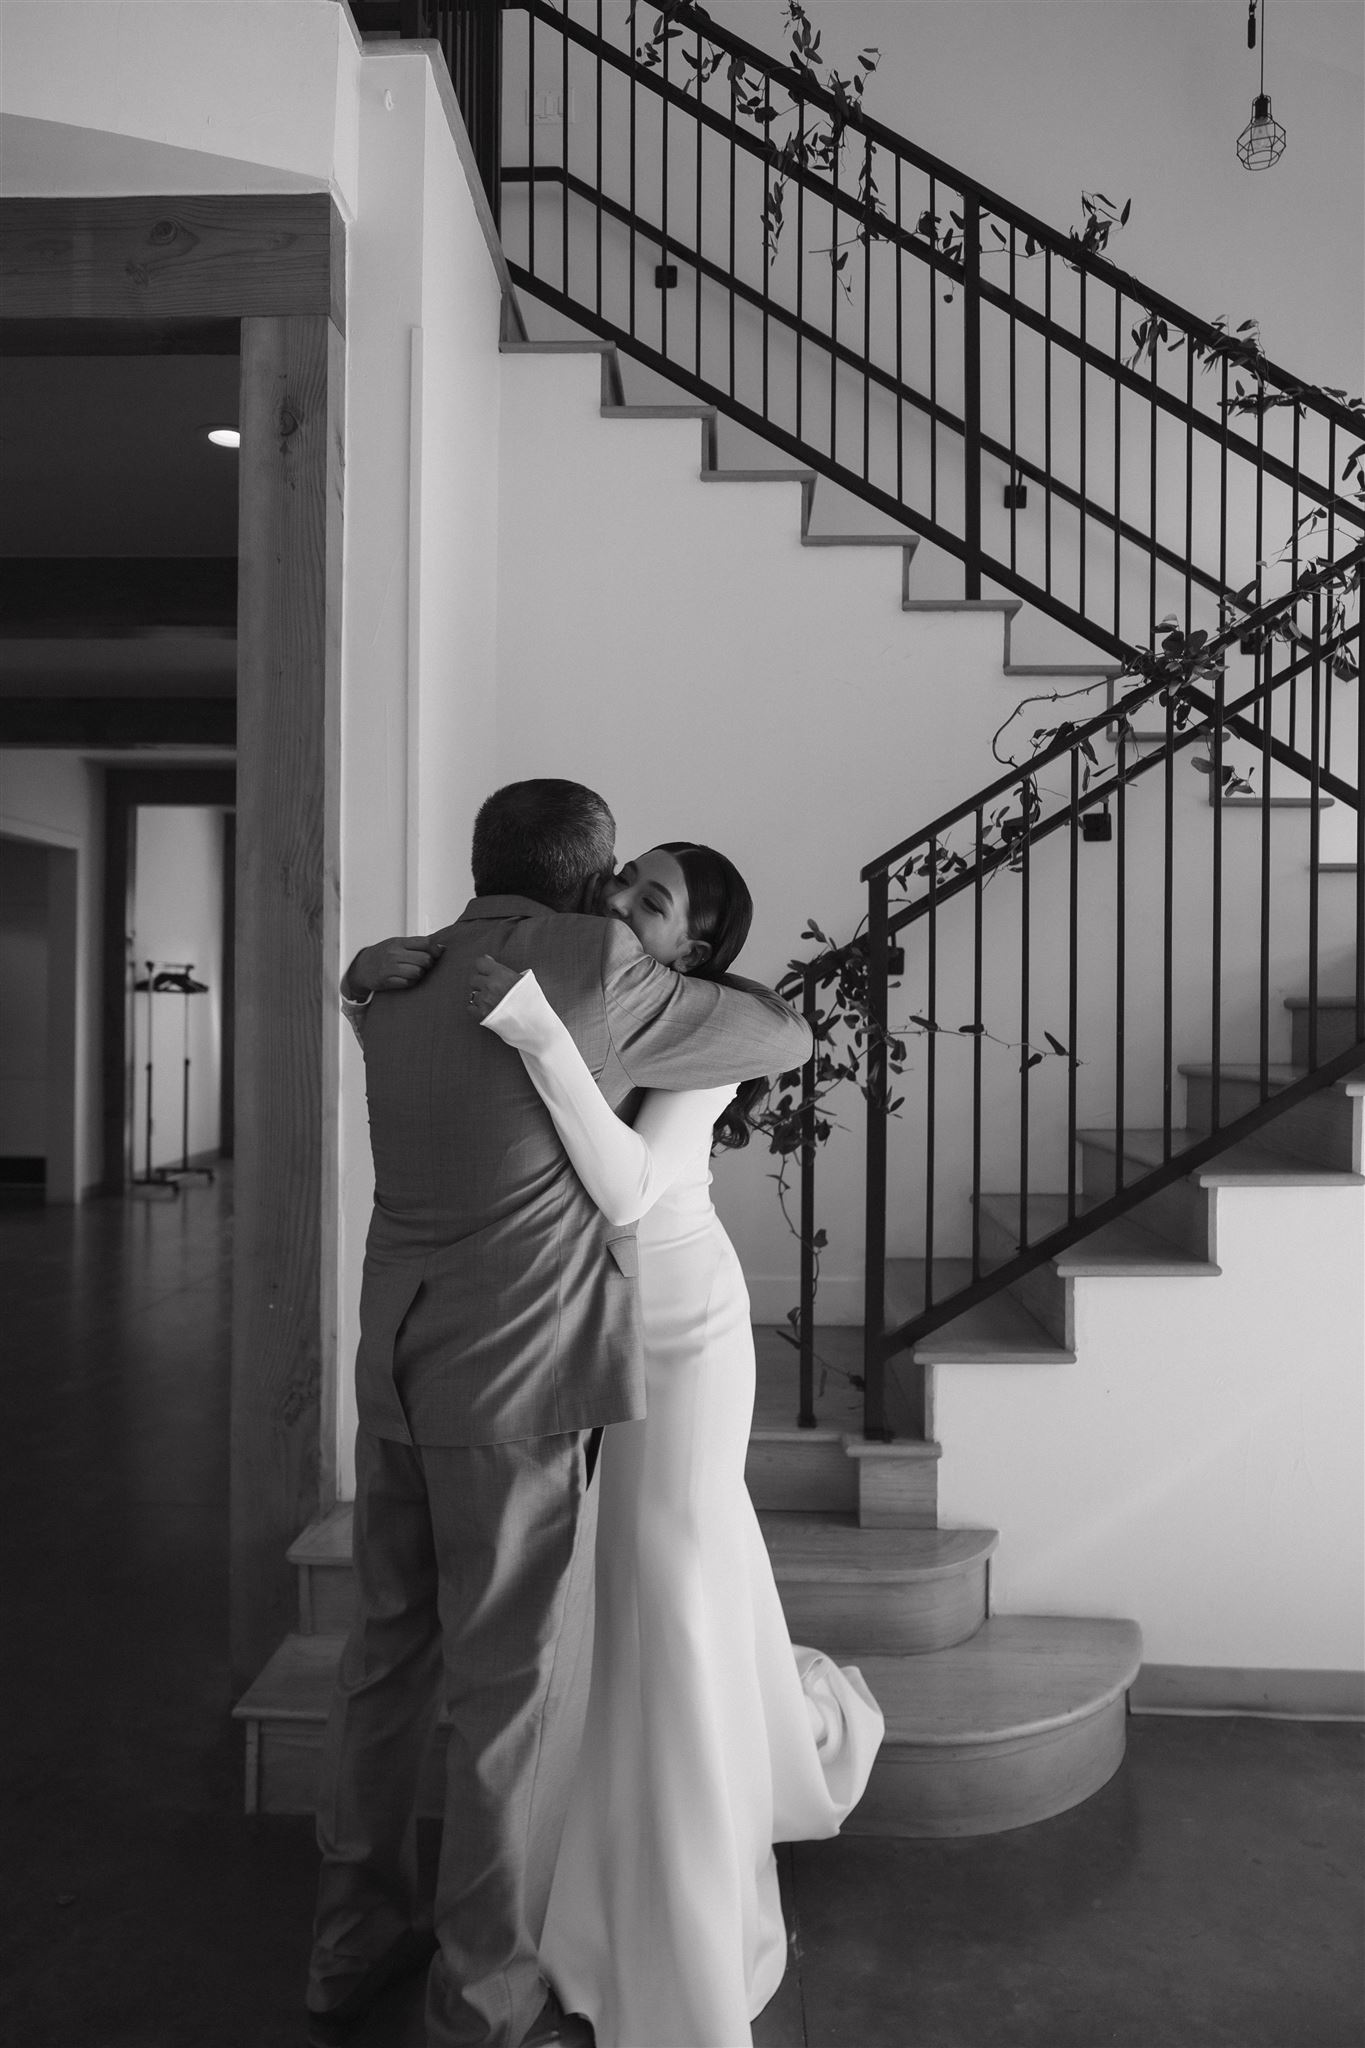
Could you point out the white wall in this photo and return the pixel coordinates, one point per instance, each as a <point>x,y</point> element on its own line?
<point>178,922</point>
<point>418,672</point>
<point>57,799</point>
<point>178,96</point>
<point>1199,1468</point>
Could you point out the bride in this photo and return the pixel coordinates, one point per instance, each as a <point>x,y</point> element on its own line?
<point>708,1735</point>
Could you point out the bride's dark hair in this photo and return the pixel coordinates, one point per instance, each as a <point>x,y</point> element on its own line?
<point>720,911</point>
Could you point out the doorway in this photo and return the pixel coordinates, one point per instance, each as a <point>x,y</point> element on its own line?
<point>38,1021</point>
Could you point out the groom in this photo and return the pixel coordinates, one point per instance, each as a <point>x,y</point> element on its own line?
<point>499,1324</point>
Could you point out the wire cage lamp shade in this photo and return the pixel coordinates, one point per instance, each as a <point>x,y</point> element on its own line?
<point>1261,142</point>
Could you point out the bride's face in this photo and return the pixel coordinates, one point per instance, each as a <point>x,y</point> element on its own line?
<point>650,895</point>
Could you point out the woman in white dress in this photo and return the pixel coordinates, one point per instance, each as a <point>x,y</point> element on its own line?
<point>708,1736</point>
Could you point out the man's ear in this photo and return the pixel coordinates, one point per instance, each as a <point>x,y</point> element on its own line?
<point>693,955</point>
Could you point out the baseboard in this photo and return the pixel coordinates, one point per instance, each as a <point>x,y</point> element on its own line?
<point>1235,1689</point>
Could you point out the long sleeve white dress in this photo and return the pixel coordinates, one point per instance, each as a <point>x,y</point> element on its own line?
<point>708,1736</point>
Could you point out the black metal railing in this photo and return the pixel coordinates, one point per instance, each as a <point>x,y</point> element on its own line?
<point>992,384</point>
<point>1029,1036</point>
<point>1068,436</point>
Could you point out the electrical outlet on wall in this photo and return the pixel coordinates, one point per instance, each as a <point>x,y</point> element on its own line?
<point>549,107</point>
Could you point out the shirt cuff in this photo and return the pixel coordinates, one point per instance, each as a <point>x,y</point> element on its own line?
<point>349,1003</point>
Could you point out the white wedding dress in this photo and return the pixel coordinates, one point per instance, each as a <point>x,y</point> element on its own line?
<point>708,1736</point>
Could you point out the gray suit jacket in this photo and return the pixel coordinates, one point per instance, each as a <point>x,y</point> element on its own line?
<point>496,1302</point>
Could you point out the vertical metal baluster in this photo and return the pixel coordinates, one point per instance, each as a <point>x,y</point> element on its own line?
<point>1314,827</point>
<point>734,125</point>
<point>1024,1069</point>
<point>931,1079</point>
<point>701,130</point>
<point>1189,490</point>
<point>1118,467</point>
<point>874,1303</point>
<point>531,145</point>
<point>834,302</point>
<point>809,1010</point>
<point>971,395</point>
<point>630,275</point>
<point>1216,935</point>
<point>1120,956</point>
<point>1047,421</point>
<point>663,183</point>
<point>867,313</point>
<point>1265,666</point>
<point>1294,568</point>
<point>1222,476</point>
<point>564,153</point>
<point>1151,506</point>
<point>767,260</point>
<point>931,275</point>
<point>978,905</point>
<point>800,252</point>
<point>1073,980</point>
<point>900,403</point>
<point>1168,936</point>
<point>1360,837</point>
<point>597,225</point>
<point>1014,403</point>
<point>1080,563</point>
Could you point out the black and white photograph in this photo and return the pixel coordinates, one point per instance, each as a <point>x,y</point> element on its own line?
<point>682,1023</point>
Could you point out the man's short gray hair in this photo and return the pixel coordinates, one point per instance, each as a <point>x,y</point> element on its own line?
<point>544,839</point>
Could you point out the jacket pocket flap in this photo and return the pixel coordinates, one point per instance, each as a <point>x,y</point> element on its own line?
<point>626,1253</point>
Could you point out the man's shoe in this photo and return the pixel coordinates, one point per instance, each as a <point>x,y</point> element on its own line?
<point>412,1951</point>
<point>556,2028</point>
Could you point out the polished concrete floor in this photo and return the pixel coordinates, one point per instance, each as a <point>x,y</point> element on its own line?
<point>1209,1897</point>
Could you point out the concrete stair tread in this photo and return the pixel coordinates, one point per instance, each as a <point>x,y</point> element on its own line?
<point>833,1549</point>
<point>1122,1246</point>
<point>908,541</point>
<point>1008,605</point>
<point>1018,1675</point>
<point>1277,1076</point>
<point>1338,867</point>
<point>296,1684</point>
<point>659,412</point>
<point>758,476</point>
<point>1321,1003</point>
<point>1277,803</point>
<point>326,1541</point>
<point>1063,668</point>
<point>1245,1164</point>
<point>999,1330</point>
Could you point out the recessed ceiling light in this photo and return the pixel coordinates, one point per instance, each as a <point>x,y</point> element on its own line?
<point>224,437</point>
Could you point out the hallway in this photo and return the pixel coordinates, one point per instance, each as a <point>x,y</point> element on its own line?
<point>1209,1897</point>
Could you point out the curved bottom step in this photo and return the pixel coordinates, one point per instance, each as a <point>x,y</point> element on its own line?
<point>1022,1721</point>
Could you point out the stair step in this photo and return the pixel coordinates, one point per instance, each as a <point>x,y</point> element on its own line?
<point>907,541</point>
<point>856,1592</point>
<point>1022,1721</point>
<point>613,390</point>
<point>999,1330</point>
<point>758,476</point>
<point>1101,669</point>
<point>1248,1163</point>
<point>1277,803</point>
<point>1122,1247</point>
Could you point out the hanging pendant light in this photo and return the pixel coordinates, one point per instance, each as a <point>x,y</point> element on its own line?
<point>1261,142</point>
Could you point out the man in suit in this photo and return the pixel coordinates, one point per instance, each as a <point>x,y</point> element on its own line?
<point>499,1326</point>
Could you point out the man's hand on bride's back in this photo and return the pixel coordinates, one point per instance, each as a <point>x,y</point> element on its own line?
<point>391,965</point>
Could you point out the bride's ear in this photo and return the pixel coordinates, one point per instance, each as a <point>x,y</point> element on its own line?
<point>694,954</point>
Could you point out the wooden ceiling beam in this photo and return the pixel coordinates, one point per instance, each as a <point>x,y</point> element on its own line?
<point>74,597</point>
<point>118,721</point>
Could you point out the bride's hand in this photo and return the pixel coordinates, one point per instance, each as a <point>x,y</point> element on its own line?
<point>489,983</point>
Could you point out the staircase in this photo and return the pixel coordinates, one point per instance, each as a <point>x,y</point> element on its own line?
<point>992,1722</point>
<point>1172,1092</point>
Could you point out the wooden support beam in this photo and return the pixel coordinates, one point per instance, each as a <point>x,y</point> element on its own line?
<point>118,721</point>
<point>176,337</point>
<point>124,597</point>
<point>287,737</point>
<point>213,256</point>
